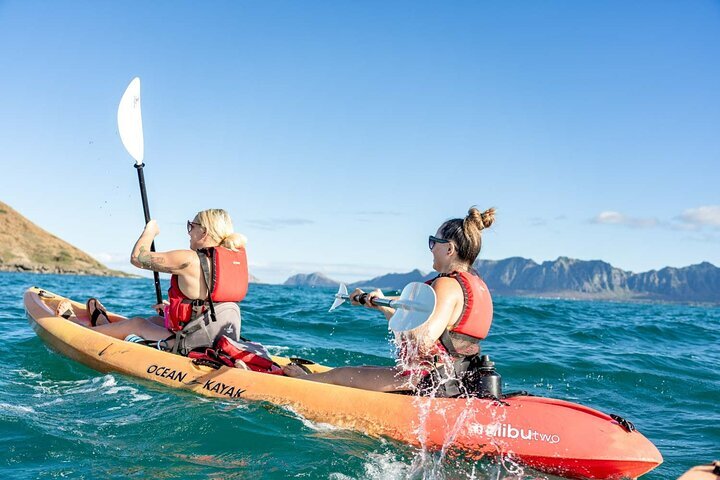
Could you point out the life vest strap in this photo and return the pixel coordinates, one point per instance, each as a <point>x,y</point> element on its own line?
<point>447,343</point>
<point>205,256</point>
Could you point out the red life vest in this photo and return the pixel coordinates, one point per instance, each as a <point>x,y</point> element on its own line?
<point>477,313</point>
<point>228,283</point>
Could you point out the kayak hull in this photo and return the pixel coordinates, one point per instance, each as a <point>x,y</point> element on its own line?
<point>550,435</point>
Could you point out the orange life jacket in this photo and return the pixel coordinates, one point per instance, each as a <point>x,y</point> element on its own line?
<point>477,313</point>
<point>463,338</point>
<point>228,283</point>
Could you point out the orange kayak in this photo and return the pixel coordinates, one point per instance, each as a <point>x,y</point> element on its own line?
<point>552,436</point>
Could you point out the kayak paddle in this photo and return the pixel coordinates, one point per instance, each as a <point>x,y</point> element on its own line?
<point>129,119</point>
<point>413,308</point>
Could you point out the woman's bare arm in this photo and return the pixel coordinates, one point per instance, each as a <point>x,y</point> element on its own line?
<point>449,296</point>
<point>165,262</point>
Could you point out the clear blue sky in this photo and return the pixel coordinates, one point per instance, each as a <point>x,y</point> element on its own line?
<point>340,134</point>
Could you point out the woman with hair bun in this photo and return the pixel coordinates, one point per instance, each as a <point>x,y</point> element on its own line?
<point>437,356</point>
<point>208,280</point>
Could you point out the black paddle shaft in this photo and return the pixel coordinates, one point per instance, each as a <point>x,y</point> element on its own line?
<point>146,210</point>
<point>381,302</point>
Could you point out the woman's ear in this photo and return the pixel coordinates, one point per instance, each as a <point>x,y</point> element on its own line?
<point>451,248</point>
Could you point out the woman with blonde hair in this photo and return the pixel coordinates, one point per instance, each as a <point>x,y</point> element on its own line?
<point>208,280</point>
<point>437,355</point>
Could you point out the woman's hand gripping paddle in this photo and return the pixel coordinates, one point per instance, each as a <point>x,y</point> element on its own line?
<point>129,119</point>
<point>413,308</point>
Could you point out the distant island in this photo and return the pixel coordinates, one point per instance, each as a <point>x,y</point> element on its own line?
<point>311,280</point>
<point>565,278</point>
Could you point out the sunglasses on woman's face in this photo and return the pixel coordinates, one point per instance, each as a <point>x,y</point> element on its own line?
<point>190,225</point>
<point>432,240</point>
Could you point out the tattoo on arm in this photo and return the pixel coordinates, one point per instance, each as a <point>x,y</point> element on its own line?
<point>156,263</point>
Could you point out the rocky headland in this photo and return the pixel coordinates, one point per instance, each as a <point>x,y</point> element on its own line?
<point>25,247</point>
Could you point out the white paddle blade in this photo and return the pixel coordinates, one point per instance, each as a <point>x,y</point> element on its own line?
<point>340,297</point>
<point>414,307</point>
<point>129,120</point>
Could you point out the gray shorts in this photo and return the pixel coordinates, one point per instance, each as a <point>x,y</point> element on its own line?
<point>203,332</point>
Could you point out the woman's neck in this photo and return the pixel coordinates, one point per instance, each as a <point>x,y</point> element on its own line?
<point>456,267</point>
<point>201,245</point>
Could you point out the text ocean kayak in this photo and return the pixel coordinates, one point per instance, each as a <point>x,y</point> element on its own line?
<point>550,435</point>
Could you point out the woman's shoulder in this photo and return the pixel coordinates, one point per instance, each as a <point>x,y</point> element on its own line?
<point>182,259</point>
<point>183,252</point>
<point>447,285</point>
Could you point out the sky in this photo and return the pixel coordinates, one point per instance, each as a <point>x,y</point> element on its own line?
<point>340,134</point>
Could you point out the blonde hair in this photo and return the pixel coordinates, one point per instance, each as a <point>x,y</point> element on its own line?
<point>218,225</point>
<point>466,233</point>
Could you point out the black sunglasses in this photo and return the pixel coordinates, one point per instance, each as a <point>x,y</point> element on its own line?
<point>190,225</point>
<point>432,240</point>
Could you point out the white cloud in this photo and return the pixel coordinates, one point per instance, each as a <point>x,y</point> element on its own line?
<point>616,218</point>
<point>708,215</point>
<point>107,258</point>
<point>609,217</point>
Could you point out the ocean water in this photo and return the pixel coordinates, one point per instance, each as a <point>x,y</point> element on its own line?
<point>654,364</point>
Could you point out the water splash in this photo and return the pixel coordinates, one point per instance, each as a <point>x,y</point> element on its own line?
<point>431,371</point>
<point>312,425</point>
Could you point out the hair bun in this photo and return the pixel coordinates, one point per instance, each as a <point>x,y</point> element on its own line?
<point>466,233</point>
<point>487,218</point>
<point>480,220</point>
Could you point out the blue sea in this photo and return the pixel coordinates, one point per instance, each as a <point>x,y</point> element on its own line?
<point>654,364</point>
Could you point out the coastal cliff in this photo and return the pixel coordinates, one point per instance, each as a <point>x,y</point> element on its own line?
<point>25,247</point>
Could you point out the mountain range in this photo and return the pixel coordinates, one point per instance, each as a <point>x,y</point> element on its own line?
<point>565,278</point>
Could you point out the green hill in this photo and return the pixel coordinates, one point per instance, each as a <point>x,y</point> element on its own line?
<point>25,247</point>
